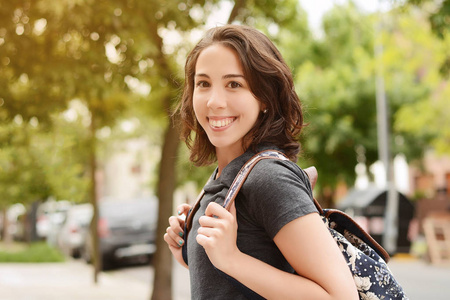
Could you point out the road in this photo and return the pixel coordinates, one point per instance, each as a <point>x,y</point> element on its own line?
<point>72,280</point>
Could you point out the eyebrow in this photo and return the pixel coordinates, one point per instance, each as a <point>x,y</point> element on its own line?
<point>223,77</point>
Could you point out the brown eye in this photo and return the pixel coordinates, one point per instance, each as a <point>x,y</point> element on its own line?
<point>234,84</point>
<point>202,84</point>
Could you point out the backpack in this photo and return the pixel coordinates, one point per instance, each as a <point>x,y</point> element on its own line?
<point>366,259</point>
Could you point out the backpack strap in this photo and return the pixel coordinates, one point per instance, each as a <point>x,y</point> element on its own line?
<point>245,171</point>
<point>242,175</point>
<point>192,212</point>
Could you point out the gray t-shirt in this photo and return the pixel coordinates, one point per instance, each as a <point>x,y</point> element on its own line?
<point>275,193</point>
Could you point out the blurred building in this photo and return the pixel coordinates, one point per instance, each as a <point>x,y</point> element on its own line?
<point>129,169</point>
<point>430,183</point>
<point>432,175</point>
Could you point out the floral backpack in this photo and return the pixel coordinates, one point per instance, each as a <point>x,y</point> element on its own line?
<point>366,259</point>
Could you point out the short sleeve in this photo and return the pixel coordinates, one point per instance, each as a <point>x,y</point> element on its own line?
<point>277,192</point>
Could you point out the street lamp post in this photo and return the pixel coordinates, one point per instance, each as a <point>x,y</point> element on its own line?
<point>391,211</point>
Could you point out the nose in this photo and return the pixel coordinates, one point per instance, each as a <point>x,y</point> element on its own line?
<point>217,99</point>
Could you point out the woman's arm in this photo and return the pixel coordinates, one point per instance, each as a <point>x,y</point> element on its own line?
<point>306,244</point>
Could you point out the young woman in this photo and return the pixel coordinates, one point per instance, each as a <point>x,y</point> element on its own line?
<point>239,99</point>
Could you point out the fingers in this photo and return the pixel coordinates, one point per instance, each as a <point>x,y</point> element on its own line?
<point>204,241</point>
<point>183,209</point>
<point>174,236</point>
<point>208,236</point>
<point>216,221</point>
<point>208,231</point>
<point>170,241</point>
<point>174,233</point>
<point>233,209</point>
<point>217,233</point>
<point>177,225</point>
<point>216,210</point>
<point>173,239</point>
<point>176,250</point>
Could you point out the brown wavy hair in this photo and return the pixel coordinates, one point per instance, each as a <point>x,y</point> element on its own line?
<point>269,79</point>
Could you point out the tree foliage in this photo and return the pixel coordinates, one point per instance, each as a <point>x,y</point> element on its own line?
<point>337,86</point>
<point>427,120</point>
<point>22,179</point>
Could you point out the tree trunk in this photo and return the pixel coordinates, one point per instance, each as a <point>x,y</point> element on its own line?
<point>95,251</point>
<point>238,5</point>
<point>30,223</point>
<point>6,236</point>
<point>162,281</point>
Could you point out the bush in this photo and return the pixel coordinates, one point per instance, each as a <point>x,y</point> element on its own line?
<point>34,253</point>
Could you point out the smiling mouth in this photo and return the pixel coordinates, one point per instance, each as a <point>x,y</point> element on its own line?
<point>221,123</point>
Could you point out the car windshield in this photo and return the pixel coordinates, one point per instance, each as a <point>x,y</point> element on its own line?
<point>82,216</point>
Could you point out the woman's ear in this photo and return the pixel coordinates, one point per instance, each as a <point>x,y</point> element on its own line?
<point>263,108</point>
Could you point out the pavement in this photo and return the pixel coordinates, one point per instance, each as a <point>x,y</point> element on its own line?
<point>421,280</point>
<point>73,280</point>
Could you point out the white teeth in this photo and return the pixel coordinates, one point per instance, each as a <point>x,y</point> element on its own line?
<point>221,123</point>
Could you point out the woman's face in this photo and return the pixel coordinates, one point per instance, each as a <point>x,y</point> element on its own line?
<point>222,100</point>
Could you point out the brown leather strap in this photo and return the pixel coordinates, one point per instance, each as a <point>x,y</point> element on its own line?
<point>311,172</point>
<point>236,187</point>
<point>193,211</point>
<point>312,175</point>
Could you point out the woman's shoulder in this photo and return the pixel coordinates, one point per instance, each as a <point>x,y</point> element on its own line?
<point>275,174</point>
<point>273,168</point>
<point>275,193</point>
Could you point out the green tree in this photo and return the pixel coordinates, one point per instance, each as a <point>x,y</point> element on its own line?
<point>62,153</point>
<point>337,89</point>
<point>428,118</point>
<point>438,13</point>
<point>337,86</point>
<point>22,178</point>
<point>30,81</point>
<point>68,60</point>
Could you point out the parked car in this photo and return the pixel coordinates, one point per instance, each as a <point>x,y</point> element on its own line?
<point>126,230</point>
<point>15,215</point>
<point>50,215</point>
<point>71,236</point>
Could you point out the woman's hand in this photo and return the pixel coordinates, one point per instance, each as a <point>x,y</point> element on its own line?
<point>174,236</point>
<point>218,233</point>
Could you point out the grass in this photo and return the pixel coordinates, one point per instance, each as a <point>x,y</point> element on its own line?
<point>39,252</point>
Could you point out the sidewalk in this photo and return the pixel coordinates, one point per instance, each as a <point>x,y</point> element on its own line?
<point>73,281</point>
<point>70,280</point>
<point>421,280</point>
